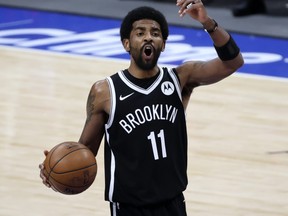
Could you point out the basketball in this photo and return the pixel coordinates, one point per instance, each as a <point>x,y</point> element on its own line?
<point>70,168</point>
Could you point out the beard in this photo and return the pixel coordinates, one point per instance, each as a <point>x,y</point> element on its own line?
<point>146,64</point>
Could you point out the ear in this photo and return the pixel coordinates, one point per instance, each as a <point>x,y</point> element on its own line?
<point>126,44</point>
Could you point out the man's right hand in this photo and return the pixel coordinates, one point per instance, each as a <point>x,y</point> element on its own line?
<point>42,175</point>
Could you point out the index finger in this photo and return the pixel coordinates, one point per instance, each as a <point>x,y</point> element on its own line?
<point>185,5</point>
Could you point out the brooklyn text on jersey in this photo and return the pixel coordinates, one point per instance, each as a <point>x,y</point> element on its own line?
<point>161,112</point>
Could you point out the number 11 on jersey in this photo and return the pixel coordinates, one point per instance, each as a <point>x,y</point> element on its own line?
<point>152,138</point>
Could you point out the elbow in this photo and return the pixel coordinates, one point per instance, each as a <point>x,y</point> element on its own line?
<point>241,61</point>
<point>235,64</point>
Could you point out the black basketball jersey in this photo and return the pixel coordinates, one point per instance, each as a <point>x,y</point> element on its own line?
<point>145,140</point>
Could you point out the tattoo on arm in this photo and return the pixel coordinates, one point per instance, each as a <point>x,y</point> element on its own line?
<point>90,107</point>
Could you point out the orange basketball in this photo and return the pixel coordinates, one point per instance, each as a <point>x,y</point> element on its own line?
<point>70,167</point>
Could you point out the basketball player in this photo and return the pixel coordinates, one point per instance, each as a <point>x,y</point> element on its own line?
<point>141,112</point>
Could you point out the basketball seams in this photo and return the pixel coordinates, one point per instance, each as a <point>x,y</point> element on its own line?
<point>52,168</point>
<point>69,190</point>
<point>67,185</point>
<point>50,155</point>
<point>59,173</point>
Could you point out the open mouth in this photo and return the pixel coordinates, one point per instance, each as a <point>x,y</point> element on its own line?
<point>148,51</point>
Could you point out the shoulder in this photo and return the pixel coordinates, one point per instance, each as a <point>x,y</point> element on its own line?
<point>99,89</point>
<point>99,95</point>
<point>187,73</point>
<point>188,79</point>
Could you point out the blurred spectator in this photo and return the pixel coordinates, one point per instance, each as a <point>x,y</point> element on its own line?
<point>249,7</point>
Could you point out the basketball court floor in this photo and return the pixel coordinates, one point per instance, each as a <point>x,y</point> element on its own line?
<point>238,146</point>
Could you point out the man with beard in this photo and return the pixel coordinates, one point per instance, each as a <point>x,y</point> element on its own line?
<point>141,112</point>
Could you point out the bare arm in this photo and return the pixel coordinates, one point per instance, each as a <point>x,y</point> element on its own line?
<point>98,105</point>
<point>196,73</point>
<point>208,72</point>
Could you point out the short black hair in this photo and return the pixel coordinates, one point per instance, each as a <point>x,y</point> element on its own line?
<point>143,13</point>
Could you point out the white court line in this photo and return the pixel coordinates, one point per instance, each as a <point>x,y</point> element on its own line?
<point>258,76</point>
<point>16,23</point>
<point>238,73</point>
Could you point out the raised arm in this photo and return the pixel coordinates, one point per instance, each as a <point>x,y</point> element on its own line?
<point>195,73</point>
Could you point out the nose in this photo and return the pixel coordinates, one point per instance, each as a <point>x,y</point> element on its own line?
<point>148,37</point>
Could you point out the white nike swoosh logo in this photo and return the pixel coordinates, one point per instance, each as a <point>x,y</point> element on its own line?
<point>125,97</point>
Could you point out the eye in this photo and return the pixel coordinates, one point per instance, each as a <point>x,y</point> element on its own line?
<point>139,34</point>
<point>156,34</point>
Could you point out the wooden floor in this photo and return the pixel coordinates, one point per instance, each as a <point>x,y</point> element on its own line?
<point>238,148</point>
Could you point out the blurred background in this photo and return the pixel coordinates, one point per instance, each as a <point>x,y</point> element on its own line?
<point>51,52</point>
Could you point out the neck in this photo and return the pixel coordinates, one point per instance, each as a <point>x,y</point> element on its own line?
<point>140,73</point>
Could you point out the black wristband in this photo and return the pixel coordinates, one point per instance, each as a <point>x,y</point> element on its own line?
<point>229,51</point>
